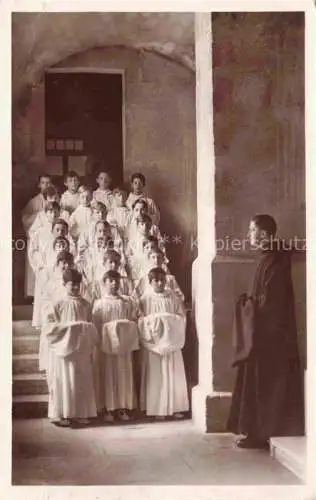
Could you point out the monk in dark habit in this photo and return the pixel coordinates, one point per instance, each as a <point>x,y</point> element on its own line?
<point>268,395</point>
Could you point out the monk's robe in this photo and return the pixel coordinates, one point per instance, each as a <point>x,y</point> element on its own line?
<point>268,397</point>
<point>164,389</point>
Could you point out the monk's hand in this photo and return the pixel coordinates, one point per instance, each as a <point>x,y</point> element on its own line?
<point>243,298</point>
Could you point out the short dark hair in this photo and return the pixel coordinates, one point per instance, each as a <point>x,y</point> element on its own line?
<point>139,176</point>
<point>266,223</point>
<point>72,275</point>
<point>60,221</point>
<point>120,190</point>
<point>158,251</point>
<point>44,175</point>
<point>66,256</point>
<point>156,273</point>
<point>150,239</point>
<point>142,201</point>
<point>100,206</point>
<point>60,238</point>
<point>144,218</point>
<point>111,275</point>
<point>112,254</point>
<point>103,170</point>
<point>50,191</point>
<point>52,205</point>
<point>70,174</point>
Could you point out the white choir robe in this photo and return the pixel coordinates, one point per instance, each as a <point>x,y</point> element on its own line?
<point>72,341</point>
<point>69,201</point>
<point>29,213</point>
<point>104,196</point>
<point>80,220</point>
<point>120,217</point>
<point>153,210</point>
<point>116,379</point>
<point>40,248</point>
<point>163,385</point>
<point>54,290</point>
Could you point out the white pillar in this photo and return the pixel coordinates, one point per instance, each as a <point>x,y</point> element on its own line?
<point>202,267</point>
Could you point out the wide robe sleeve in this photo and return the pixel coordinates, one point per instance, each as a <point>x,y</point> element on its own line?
<point>274,331</point>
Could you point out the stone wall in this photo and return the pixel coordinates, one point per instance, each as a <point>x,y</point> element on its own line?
<point>260,156</point>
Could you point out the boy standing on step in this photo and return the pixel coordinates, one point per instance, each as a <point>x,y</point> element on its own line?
<point>72,340</point>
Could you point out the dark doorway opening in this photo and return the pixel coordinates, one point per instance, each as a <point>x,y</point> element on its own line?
<point>84,122</point>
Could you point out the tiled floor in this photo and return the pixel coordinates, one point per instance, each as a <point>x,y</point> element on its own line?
<point>156,454</point>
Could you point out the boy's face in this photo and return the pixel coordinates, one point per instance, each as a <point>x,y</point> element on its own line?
<point>63,265</point>
<point>158,284</point>
<point>111,264</point>
<point>72,288</point>
<point>156,259</point>
<point>98,214</point>
<point>120,199</point>
<point>72,184</point>
<point>142,228</point>
<point>139,210</point>
<point>54,198</point>
<point>149,247</point>
<point>137,186</point>
<point>111,286</point>
<point>85,199</point>
<point>104,180</point>
<point>102,231</point>
<point>44,183</point>
<point>101,244</point>
<point>59,230</point>
<point>52,215</point>
<point>61,245</point>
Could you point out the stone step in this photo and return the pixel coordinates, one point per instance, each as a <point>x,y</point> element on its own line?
<point>27,344</point>
<point>291,453</point>
<point>25,363</point>
<point>29,384</point>
<point>23,327</point>
<point>23,312</point>
<point>30,406</point>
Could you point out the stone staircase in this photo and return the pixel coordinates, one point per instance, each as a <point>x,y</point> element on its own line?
<point>29,388</point>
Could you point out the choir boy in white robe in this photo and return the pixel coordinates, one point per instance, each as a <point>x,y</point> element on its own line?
<point>81,217</point>
<point>86,237</point>
<point>116,388</point>
<point>111,262</point>
<point>70,198</point>
<point>103,193</point>
<point>156,259</point>
<point>72,341</point>
<point>138,182</point>
<point>163,387</point>
<point>135,248</point>
<point>40,245</point>
<point>120,215</point>
<point>140,210</point>
<point>51,194</point>
<point>29,213</point>
<point>53,290</point>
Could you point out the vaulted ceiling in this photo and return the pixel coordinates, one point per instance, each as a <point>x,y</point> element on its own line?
<point>41,40</point>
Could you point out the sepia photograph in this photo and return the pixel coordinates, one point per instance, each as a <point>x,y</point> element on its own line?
<point>158,248</point>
